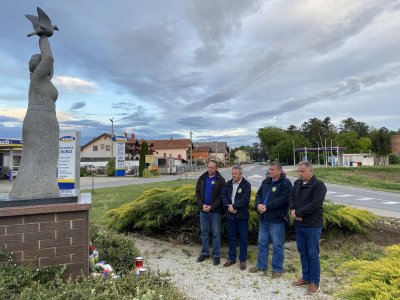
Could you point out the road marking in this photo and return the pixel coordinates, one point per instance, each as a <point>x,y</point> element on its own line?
<point>330,193</point>
<point>256,177</point>
<point>344,195</point>
<point>364,198</point>
<point>391,202</point>
<point>361,189</point>
<point>248,168</point>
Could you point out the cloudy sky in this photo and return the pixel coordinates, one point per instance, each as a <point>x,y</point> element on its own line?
<point>221,69</point>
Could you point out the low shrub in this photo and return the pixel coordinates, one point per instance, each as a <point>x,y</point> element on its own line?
<point>114,248</point>
<point>376,280</point>
<point>345,218</point>
<point>26,282</point>
<point>85,171</point>
<point>394,158</point>
<point>157,210</point>
<point>150,173</point>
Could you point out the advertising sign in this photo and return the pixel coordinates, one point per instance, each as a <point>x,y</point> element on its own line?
<point>10,142</point>
<point>120,155</point>
<point>68,161</point>
<point>149,159</point>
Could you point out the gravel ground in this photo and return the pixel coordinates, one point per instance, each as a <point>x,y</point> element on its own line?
<point>205,281</point>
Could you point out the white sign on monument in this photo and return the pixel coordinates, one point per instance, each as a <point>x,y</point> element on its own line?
<point>68,172</point>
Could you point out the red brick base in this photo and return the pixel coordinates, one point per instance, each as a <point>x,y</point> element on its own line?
<point>48,234</point>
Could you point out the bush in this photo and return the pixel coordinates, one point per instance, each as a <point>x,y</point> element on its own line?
<point>150,173</point>
<point>394,159</point>
<point>158,210</point>
<point>345,218</point>
<point>111,167</point>
<point>155,209</point>
<point>114,248</point>
<point>84,171</point>
<point>15,278</point>
<point>25,282</point>
<point>377,279</point>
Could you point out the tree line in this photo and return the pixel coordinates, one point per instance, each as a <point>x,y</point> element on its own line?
<point>358,137</point>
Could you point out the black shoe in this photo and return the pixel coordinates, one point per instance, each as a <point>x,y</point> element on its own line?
<point>216,261</point>
<point>201,258</point>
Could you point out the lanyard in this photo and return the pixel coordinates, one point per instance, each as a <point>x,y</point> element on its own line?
<point>266,198</point>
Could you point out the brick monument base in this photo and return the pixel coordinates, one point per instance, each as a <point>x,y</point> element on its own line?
<point>48,234</point>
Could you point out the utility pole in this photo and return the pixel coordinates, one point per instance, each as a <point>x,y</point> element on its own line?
<point>112,134</point>
<point>318,152</point>
<point>191,146</point>
<point>294,156</point>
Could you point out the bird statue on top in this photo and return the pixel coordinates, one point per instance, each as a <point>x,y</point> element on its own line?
<point>40,133</point>
<point>41,24</point>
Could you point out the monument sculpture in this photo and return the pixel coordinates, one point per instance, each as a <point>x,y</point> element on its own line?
<point>52,228</point>
<point>40,133</point>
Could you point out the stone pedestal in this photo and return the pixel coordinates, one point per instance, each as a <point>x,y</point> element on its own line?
<point>48,234</point>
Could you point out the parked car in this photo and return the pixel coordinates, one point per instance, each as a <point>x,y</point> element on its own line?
<point>14,171</point>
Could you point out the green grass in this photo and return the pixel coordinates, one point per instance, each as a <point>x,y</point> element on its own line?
<point>376,177</point>
<point>105,199</point>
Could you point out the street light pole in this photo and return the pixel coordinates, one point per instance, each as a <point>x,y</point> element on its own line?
<point>294,156</point>
<point>318,152</point>
<point>112,134</point>
<point>216,150</point>
<point>191,145</point>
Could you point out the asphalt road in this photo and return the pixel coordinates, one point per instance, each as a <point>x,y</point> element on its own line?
<point>379,202</point>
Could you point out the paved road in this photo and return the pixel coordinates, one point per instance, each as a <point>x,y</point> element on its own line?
<point>379,202</point>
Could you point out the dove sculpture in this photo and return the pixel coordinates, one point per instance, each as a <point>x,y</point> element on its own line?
<point>41,24</point>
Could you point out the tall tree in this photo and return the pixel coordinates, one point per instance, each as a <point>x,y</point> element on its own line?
<point>364,144</point>
<point>144,150</point>
<point>270,136</point>
<point>348,140</point>
<point>316,130</point>
<point>349,124</point>
<point>380,139</point>
<point>292,130</point>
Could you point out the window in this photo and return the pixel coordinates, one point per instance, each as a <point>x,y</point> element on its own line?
<point>101,146</point>
<point>108,147</point>
<point>95,148</point>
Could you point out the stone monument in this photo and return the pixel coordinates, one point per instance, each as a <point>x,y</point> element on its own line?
<point>36,224</point>
<point>40,133</point>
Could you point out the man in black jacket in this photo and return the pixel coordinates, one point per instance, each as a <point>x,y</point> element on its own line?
<point>272,203</point>
<point>208,193</point>
<point>236,199</point>
<point>305,206</point>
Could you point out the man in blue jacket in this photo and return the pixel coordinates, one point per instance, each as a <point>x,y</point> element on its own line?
<point>208,193</point>
<point>272,203</point>
<point>305,205</point>
<point>236,198</point>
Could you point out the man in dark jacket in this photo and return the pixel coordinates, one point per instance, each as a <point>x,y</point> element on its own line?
<point>272,203</point>
<point>208,193</point>
<point>305,206</point>
<point>236,199</point>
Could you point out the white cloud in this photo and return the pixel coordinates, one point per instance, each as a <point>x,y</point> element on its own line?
<point>75,84</point>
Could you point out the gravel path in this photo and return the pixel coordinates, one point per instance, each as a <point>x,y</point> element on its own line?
<point>205,281</point>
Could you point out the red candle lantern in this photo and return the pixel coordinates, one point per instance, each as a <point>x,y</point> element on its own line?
<point>139,262</point>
